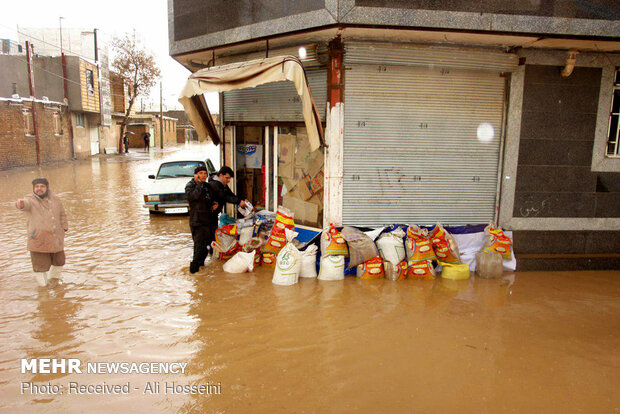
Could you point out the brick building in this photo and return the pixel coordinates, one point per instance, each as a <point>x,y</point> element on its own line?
<point>18,138</point>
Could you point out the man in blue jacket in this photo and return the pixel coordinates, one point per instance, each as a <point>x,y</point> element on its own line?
<point>201,211</point>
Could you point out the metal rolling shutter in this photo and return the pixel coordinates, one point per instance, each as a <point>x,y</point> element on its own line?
<point>411,152</point>
<point>276,101</point>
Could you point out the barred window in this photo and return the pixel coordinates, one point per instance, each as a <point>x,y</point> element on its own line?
<point>613,146</point>
<point>79,120</point>
<point>28,122</point>
<point>57,123</point>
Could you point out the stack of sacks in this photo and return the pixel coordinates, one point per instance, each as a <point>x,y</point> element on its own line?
<point>277,237</point>
<point>240,263</point>
<point>420,254</point>
<point>225,245</point>
<point>497,248</point>
<point>245,228</point>
<point>333,251</point>
<point>288,262</point>
<point>308,262</point>
<point>392,251</point>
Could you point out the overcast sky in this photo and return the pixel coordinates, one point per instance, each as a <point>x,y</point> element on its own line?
<point>113,18</point>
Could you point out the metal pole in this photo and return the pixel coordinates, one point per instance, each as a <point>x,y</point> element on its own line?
<point>161,116</point>
<point>276,160</point>
<point>60,24</point>
<point>34,109</point>
<point>267,194</point>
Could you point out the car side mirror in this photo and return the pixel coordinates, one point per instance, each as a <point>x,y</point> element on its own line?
<point>151,176</point>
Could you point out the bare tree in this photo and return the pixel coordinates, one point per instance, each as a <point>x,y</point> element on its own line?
<point>138,70</point>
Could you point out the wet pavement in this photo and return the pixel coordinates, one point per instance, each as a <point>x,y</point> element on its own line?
<point>529,342</point>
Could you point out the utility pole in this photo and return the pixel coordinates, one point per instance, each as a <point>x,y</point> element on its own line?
<point>34,109</point>
<point>161,115</point>
<point>60,25</point>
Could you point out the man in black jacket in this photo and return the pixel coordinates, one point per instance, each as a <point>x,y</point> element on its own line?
<point>201,211</point>
<point>221,193</point>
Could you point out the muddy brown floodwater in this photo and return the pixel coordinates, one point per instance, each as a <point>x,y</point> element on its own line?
<point>527,343</point>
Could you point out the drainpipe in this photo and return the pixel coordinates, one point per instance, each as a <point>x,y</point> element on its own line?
<point>66,92</point>
<point>570,63</point>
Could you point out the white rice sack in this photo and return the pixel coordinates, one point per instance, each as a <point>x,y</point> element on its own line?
<point>471,243</point>
<point>245,235</point>
<point>240,263</point>
<point>308,262</point>
<point>332,268</point>
<point>391,246</point>
<point>288,262</point>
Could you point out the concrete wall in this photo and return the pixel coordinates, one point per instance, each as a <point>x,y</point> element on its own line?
<point>18,148</point>
<point>13,69</point>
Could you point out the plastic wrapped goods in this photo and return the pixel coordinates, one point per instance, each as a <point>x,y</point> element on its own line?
<point>489,265</point>
<point>423,270</point>
<point>457,271</point>
<point>268,259</point>
<point>332,243</point>
<point>444,245</point>
<point>288,263</point>
<point>308,262</point>
<point>395,272</point>
<point>277,238</point>
<point>371,269</point>
<point>245,234</point>
<point>240,263</point>
<point>225,245</point>
<point>332,268</point>
<point>391,246</point>
<point>361,247</point>
<point>498,242</point>
<point>418,245</point>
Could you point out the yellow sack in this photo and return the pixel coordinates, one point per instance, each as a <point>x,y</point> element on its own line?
<point>423,270</point>
<point>444,245</point>
<point>395,272</point>
<point>332,243</point>
<point>418,245</point>
<point>371,269</point>
<point>455,271</point>
<point>498,242</point>
<point>269,259</point>
<point>277,237</point>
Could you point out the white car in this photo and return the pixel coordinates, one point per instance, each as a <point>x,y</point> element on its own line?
<point>166,193</point>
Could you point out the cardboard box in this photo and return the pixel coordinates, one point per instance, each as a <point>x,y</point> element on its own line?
<point>317,182</point>
<point>304,187</point>
<point>305,213</point>
<point>302,151</point>
<point>315,163</point>
<point>286,155</point>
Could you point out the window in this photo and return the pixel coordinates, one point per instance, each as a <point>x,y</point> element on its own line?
<point>57,123</point>
<point>79,120</point>
<point>28,122</point>
<point>90,82</point>
<point>613,146</point>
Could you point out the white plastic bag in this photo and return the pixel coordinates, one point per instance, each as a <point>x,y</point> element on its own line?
<point>288,262</point>
<point>308,262</point>
<point>391,246</point>
<point>332,268</point>
<point>240,263</point>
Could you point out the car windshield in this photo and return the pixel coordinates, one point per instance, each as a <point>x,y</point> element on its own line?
<point>178,169</point>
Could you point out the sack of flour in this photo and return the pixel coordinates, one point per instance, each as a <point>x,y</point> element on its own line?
<point>332,268</point>
<point>444,245</point>
<point>391,246</point>
<point>240,263</point>
<point>371,269</point>
<point>277,237</point>
<point>308,262</point>
<point>395,272</point>
<point>332,243</point>
<point>497,242</point>
<point>421,270</point>
<point>288,262</point>
<point>418,245</point>
<point>361,247</point>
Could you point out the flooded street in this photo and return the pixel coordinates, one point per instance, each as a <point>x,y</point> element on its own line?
<point>530,342</point>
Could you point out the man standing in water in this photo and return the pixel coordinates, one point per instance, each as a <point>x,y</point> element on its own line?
<point>201,208</point>
<point>221,193</point>
<point>47,224</point>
